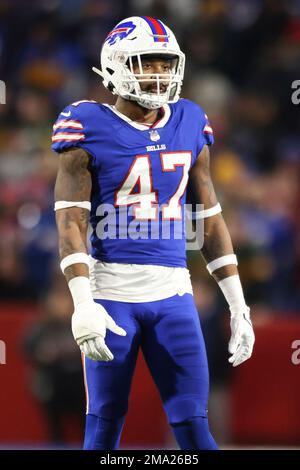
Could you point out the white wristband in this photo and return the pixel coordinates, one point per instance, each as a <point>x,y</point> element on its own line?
<point>233,293</point>
<point>80,290</point>
<point>220,262</point>
<point>74,258</point>
<point>205,213</point>
<point>66,204</point>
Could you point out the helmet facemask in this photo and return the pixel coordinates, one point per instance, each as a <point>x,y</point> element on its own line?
<point>167,86</point>
<point>126,83</point>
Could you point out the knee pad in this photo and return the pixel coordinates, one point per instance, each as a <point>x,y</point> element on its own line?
<point>109,408</point>
<point>184,409</point>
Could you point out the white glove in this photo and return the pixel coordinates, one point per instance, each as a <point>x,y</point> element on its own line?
<point>242,337</point>
<point>242,334</point>
<point>90,321</point>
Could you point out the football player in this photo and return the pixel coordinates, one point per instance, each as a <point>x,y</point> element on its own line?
<point>125,169</point>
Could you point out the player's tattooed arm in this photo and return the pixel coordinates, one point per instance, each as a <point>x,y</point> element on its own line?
<point>217,240</point>
<point>73,183</point>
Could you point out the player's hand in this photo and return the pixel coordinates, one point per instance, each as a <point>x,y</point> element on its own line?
<point>89,324</point>
<point>242,337</point>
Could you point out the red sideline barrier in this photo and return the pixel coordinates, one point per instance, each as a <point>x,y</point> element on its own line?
<point>21,418</point>
<point>265,390</point>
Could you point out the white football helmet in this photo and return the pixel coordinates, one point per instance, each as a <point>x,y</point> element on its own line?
<point>125,46</point>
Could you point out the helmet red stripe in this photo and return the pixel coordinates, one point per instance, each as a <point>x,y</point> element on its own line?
<point>157,29</point>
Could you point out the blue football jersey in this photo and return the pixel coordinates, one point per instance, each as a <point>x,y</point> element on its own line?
<point>139,177</point>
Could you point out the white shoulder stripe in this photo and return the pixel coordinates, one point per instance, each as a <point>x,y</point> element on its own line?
<point>208,129</point>
<point>65,123</point>
<point>67,136</point>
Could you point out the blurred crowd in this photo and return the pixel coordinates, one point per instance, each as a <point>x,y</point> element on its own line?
<point>242,57</point>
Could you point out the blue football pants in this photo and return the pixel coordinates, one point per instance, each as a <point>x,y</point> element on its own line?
<point>169,334</point>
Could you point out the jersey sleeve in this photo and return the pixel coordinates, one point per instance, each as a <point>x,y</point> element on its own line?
<point>205,134</point>
<point>207,131</point>
<point>197,126</point>
<point>68,131</point>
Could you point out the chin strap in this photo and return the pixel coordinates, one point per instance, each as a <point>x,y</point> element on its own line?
<point>98,72</point>
<point>110,86</point>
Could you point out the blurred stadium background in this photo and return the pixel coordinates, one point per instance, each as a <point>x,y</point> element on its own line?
<point>242,57</point>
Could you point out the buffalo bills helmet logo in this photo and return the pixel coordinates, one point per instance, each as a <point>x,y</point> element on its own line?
<point>120,32</point>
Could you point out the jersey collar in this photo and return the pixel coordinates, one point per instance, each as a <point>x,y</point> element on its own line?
<point>142,127</point>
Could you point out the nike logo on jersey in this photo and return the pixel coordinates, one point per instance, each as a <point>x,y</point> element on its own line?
<point>66,114</point>
<point>153,148</point>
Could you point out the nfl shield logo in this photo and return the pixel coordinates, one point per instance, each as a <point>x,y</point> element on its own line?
<point>154,136</point>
